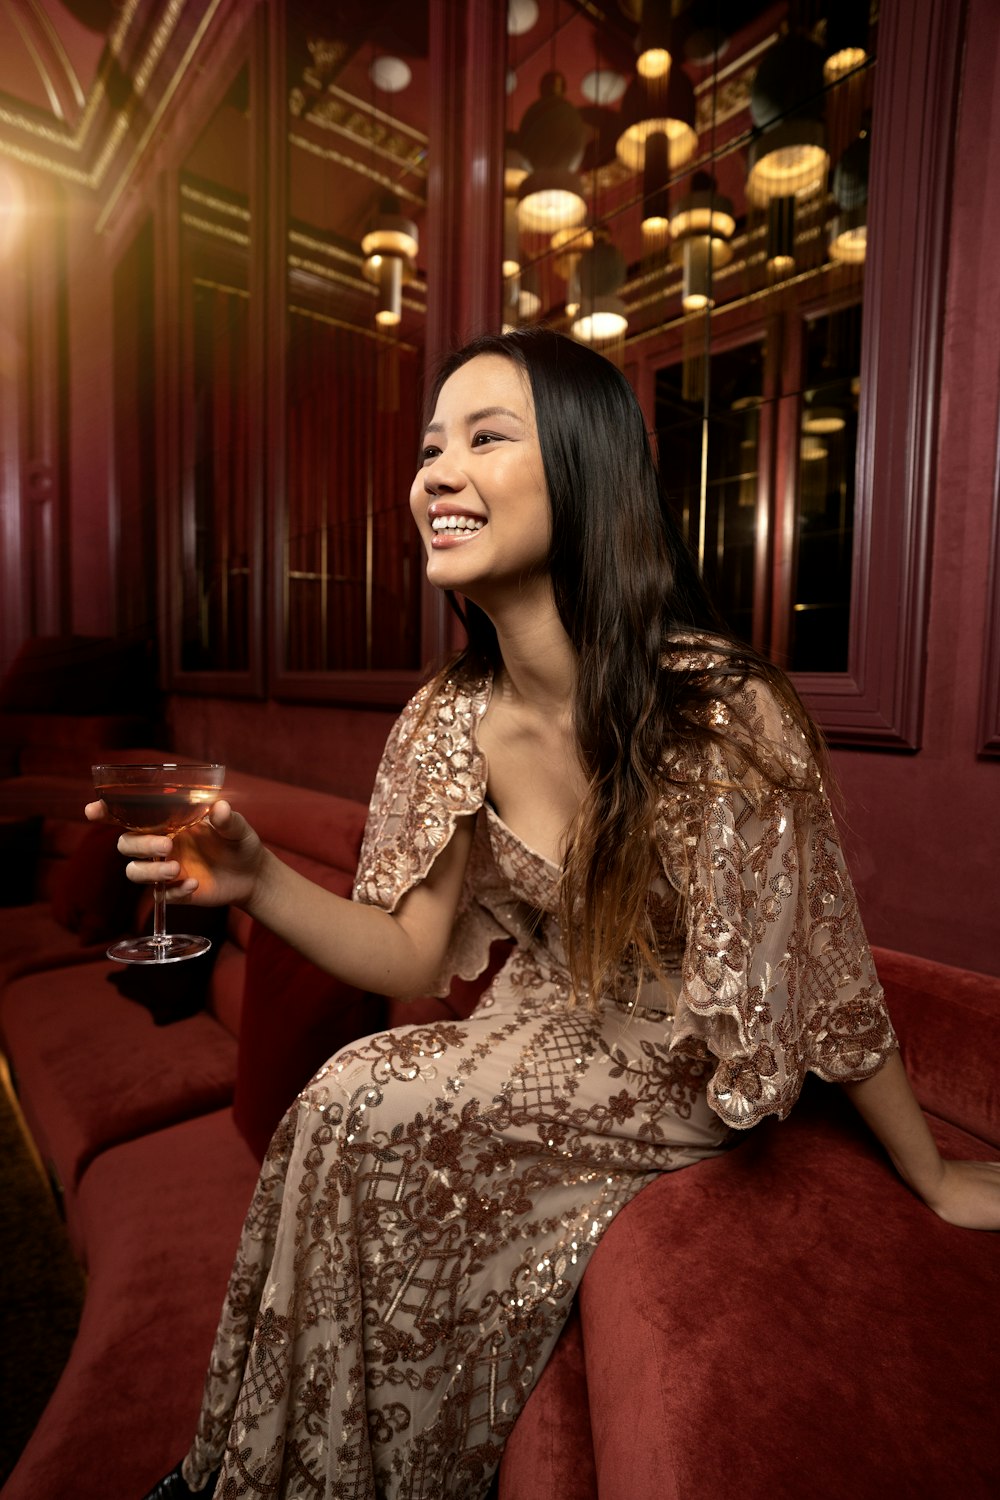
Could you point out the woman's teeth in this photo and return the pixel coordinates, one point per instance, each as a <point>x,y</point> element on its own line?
<point>457,523</point>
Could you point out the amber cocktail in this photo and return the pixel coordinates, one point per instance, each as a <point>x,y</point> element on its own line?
<point>158,799</point>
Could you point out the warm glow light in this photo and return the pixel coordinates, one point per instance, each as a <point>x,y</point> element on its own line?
<point>654,63</point>
<point>521,16</point>
<point>547,209</point>
<point>823,419</point>
<point>844,61</point>
<point>398,240</point>
<point>593,327</point>
<point>390,74</point>
<point>811,449</point>
<point>790,171</point>
<point>602,86</point>
<point>631,144</point>
<point>12,210</point>
<point>605,318</point>
<point>850,246</point>
<point>702,221</point>
<point>781,265</point>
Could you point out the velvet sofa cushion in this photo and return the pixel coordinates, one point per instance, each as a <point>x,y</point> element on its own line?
<point>792,1315</point>
<point>92,1069</point>
<point>948,1024</point>
<point>294,1017</point>
<point>161,1216</point>
<point>32,940</point>
<point>90,894</point>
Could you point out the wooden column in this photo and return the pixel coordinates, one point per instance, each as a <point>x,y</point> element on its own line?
<point>463,232</point>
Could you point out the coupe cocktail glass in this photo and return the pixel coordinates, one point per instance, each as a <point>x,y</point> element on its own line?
<point>158,799</point>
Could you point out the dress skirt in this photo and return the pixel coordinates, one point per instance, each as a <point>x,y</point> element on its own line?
<point>422,1221</point>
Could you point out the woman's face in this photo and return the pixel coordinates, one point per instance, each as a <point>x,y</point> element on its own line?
<point>479,497</point>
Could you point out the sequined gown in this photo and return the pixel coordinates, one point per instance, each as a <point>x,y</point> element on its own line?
<point>427,1208</point>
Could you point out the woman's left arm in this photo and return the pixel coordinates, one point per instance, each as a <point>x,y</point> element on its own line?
<point>966,1193</point>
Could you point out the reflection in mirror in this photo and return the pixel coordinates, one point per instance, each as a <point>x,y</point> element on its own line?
<point>217,525</point>
<point>350,568</point>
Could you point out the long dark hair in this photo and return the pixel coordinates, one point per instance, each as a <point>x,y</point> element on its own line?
<point>627,591</point>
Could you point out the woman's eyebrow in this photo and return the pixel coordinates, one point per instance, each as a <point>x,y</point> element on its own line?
<point>479,416</point>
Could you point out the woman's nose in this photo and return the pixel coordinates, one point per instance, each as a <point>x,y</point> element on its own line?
<point>443,475</point>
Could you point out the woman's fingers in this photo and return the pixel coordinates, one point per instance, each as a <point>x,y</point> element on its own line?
<point>95,812</point>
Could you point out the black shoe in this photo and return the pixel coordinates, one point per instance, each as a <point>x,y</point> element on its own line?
<point>175,1487</point>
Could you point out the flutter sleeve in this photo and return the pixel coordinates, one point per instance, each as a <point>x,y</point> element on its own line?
<point>431,774</point>
<point>778,978</point>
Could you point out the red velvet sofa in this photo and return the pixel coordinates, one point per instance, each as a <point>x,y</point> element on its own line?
<point>786,1321</point>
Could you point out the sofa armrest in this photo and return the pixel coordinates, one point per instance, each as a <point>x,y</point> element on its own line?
<point>948,1024</point>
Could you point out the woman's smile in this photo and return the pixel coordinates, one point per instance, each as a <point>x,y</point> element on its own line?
<point>452,525</point>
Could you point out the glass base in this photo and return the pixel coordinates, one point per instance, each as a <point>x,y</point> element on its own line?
<point>149,950</point>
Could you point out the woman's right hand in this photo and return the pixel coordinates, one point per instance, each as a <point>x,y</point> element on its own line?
<point>217,862</point>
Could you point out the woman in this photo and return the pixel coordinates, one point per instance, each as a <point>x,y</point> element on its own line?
<point>604,776</point>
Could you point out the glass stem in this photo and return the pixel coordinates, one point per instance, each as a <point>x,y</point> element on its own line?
<point>159,915</point>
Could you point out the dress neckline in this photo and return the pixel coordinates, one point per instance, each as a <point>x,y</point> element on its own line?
<point>495,817</point>
<point>491,812</point>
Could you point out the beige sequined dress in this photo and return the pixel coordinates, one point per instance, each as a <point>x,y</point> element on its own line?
<point>428,1206</point>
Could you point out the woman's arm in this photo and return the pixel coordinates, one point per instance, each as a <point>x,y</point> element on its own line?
<point>222,861</point>
<point>966,1193</point>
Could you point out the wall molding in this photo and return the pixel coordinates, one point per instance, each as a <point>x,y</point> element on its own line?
<point>878,701</point>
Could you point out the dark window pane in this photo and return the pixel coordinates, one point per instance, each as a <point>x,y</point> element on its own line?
<point>824,522</point>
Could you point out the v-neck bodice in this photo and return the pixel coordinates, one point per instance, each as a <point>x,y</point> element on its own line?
<point>530,876</point>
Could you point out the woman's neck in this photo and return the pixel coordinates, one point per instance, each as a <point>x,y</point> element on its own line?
<point>539,662</point>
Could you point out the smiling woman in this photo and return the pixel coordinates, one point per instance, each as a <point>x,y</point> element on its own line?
<point>634,802</point>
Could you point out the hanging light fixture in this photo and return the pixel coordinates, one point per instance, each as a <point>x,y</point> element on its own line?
<point>511,245</point>
<point>788,156</point>
<point>568,245</point>
<point>552,137</point>
<point>654,42</point>
<point>390,248</point>
<point>702,226</point>
<point>849,230</point>
<point>655,189</point>
<point>780,251</point>
<point>601,272</point>
<point>515,170</point>
<point>846,38</point>
<point>822,420</point>
<point>657,106</point>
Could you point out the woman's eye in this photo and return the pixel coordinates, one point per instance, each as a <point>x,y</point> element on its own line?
<point>484,437</point>
<point>428,454</point>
